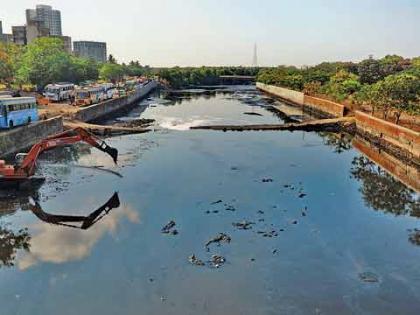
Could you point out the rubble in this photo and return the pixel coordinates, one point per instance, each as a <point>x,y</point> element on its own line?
<point>220,238</point>
<point>195,261</point>
<point>243,225</point>
<point>169,228</point>
<point>217,261</point>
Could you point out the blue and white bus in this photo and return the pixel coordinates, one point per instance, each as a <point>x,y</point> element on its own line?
<point>17,111</point>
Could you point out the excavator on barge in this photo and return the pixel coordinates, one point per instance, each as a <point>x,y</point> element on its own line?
<point>22,174</point>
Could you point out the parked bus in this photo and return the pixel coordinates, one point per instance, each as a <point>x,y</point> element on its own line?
<point>59,91</point>
<point>89,95</point>
<point>109,90</point>
<point>17,111</point>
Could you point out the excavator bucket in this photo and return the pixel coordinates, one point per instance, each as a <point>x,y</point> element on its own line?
<point>109,150</point>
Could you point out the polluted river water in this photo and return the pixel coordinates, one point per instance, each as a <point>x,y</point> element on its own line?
<point>262,222</point>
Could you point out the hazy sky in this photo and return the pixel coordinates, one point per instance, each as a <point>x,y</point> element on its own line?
<point>223,32</point>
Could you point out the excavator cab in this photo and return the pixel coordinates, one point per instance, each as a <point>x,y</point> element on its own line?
<point>23,172</point>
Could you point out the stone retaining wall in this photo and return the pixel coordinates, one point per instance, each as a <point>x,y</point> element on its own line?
<point>21,138</point>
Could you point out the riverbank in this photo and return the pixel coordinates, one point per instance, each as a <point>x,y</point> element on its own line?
<point>20,138</point>
<point>395,139</point>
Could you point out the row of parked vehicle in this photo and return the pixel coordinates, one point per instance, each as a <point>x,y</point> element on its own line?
<point>17,111</point>
<point>89,94</point>
<point>82,96</point>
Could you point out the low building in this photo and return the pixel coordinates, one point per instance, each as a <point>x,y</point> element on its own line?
<point>89,49</point>
<point>19,35</point>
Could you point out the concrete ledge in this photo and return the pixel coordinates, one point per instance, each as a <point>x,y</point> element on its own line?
<point>97,111</point>
<point>289,95</point>
<point>316,106</point>
<point>21,138</point>
<point>332,108</point>
<point>384,131</point>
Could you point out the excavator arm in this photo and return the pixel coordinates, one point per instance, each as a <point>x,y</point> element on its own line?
<point>27,168</point>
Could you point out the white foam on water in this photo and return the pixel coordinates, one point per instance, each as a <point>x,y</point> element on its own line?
<point>182,124</point>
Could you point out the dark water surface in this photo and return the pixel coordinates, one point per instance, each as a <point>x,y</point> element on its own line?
<point>332,233</point>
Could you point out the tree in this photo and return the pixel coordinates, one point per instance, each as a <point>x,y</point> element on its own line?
<point>44,61</point>
<point>111,72</point>
<point>392,64</point>
<point>402,91</point>
<point>343,84</point>
<point>369,71</point>
<point>10,58</point>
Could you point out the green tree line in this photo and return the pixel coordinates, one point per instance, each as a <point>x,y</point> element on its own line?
<point>45,61</point>
<point>389,83</point>
<point>178,77</point>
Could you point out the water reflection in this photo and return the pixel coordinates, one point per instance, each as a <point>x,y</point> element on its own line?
<point>10,243</point>
<point>86,221</point>
<point>61,240</point>
<point>381,191</point>
<point>340,142</point>
<point>55,244</point>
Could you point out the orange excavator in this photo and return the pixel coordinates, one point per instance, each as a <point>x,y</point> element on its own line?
<point>22,175</point>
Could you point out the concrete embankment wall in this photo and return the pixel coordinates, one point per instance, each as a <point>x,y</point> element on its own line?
<point>389,135</point>
<point>103,109</point>
<point>21,138</point>
<point>320,106</point>
<point>289,95</point>
<point>326,106</point>
<point>396,139</point>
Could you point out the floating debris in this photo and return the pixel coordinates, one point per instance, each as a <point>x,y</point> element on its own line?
<point>269,234</point>
<point>217,261</point>
<point>243,225</point>
<point>195,261</point>
<point>368,277</point>
<point>220,238</point>
<point>267,180</point>
<point>168,228</point>
<point>230,208</point>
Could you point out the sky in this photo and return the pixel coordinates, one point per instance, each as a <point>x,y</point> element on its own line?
<point>223,32</point>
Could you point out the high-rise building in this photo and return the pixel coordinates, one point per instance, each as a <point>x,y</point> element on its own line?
<point>35,29</point>
<point>89,49</point>
<point>19,35</point>
<point>6,38</point>
<point>42,21</point>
